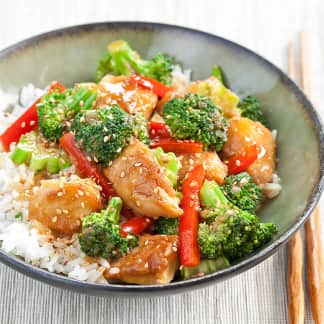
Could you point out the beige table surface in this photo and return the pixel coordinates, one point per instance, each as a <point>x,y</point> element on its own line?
<point>255,297</point>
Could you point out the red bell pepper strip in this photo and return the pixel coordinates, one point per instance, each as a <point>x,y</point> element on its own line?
<point>135,225</point>
<point>242,160</point>
<point>26,122</point>
<point>147,83</point>
<point>188,223</point>
<point>158,130</point>
<point>176,146</point>
<point>86,168</point>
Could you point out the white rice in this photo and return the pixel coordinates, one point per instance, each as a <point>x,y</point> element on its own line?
<point>20,237</point>
<point>273,188</point>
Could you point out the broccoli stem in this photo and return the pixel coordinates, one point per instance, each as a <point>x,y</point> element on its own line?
<point>123,56</point>
<point>218,73</point>
<point>23,151</point>
<point>113,209</point>
<point>205,267</point>
<point>211,195</point>
<point>30,152</point>
<point>169,162</point>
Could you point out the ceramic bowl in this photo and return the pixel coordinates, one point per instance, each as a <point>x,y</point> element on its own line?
<point>71,55</point>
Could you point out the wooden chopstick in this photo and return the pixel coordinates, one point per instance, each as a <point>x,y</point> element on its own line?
<point>315,258</point>
<point>296,303</point>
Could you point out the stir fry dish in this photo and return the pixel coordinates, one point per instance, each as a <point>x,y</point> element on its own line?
<point>141,177</point>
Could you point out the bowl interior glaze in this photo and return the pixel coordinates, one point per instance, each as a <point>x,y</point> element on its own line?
<point>70,55</point>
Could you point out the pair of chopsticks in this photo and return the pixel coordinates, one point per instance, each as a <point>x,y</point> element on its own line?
<point>314,251</point>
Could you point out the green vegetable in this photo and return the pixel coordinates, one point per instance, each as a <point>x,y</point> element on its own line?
<point>140,129</point>
<point>196,118</point>
<point>121,59</point>
<point>205,267</point>
<point>101,233</point>
<point>218,73</point>
<point>242,191</point>
<point>170,164</point>
<point>228,230</point>
<point>166,226</point>
<point>31,151</point>
<point>103,133</point>
<point>19,215</point>
<point>57,107</point>
<point>250,107</point>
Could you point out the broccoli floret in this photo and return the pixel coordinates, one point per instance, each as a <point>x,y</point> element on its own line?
<point>228,230</point>
<point>205,267</point>
<point>196,118</point>
<point>121,59</point>
<point>103,133</point>
<point>101,234</point>
<point>250,107</point>
<point>56,108</point>
<point>166,226</point>
<point>51,115</point>
<point>241,190</point>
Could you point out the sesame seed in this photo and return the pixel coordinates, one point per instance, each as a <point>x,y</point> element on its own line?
<point>32,122</point>
<point>80,192</point>
<point>174,249</point>
<point>114,270</point>
<point>65,211</point>
<point>122,175</point>
<point>105,129</point>
<point>191,161</point>
<point>59,211</point>
<point>106,139</point>
<point>138,203</point>
<point>54,219</point>
<point>168,251</point>
<point>82,204</point>
<point>124,158</point>
<point>146,242</point>
<point>23,124</point>
<point>81,103</point>
<point>138,164</point>
<point>140,170</point>
<point>60,194</point>
<point>110,163</point>
<point>193,183</point>
<point>238,162</point>
<point>82,119</point>
<point>95,159</point>
<point>146,265</point>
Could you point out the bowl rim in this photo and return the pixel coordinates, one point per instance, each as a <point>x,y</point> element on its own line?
<point>244,264</point>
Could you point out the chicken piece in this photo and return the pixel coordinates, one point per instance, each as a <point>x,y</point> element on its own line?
<point>140,182</point>
<point>154,261</point>
<point>214,167</point>
<point>243,132</point>
<point>61,203</point>
<point>130,97</point>
<point>218,93</point>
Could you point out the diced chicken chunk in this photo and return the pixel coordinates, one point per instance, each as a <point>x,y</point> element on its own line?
<point>141,183</point>
<point>243,132</point>
<point>154,261</point>
<point>130,97</point>
<point>219,94</point>
<point>214,167</point>
<point>61,203</point>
